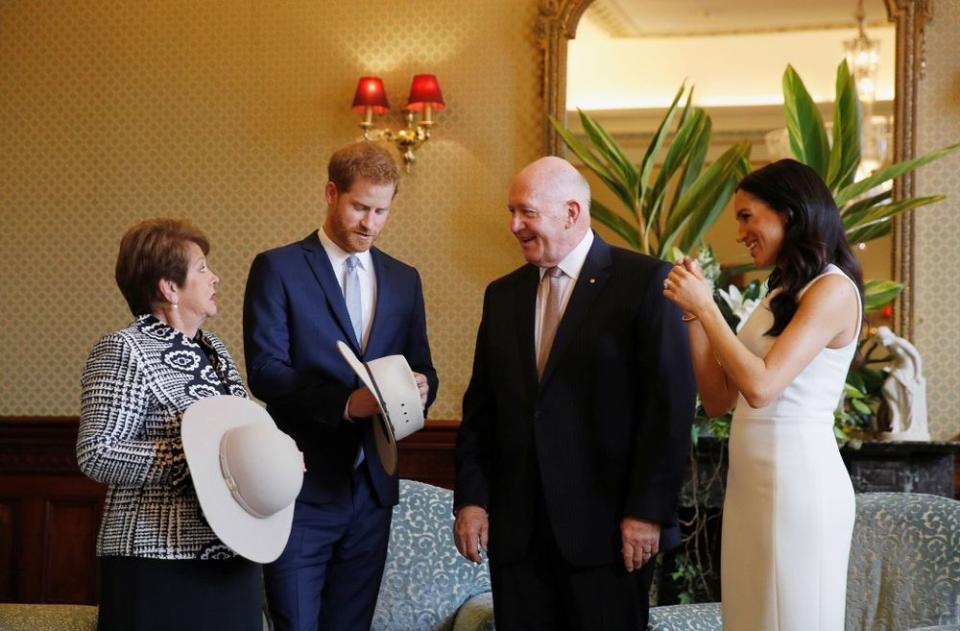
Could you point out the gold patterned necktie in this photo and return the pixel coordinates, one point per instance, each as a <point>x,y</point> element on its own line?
<point>551,316</point>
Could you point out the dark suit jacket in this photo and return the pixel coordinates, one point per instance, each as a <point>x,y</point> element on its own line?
<point>606,430</point>
<point>293,314</point>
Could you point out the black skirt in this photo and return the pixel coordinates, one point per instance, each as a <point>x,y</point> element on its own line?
<point>146,594</point>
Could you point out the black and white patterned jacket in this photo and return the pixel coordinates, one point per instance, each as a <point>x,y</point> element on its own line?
<point>135,387</point>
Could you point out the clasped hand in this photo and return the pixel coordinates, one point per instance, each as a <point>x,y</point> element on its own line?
<point>686,286</point>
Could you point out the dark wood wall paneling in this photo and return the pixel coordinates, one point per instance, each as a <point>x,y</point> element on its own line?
<point>50,512</point>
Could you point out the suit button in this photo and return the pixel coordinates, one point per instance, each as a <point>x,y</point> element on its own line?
<point>536,414</point>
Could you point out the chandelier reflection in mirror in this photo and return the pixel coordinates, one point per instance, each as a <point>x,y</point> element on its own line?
<point>863,58</point>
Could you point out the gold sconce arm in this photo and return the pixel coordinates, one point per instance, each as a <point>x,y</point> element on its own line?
<point>425,97</point>
<point>407,140</point>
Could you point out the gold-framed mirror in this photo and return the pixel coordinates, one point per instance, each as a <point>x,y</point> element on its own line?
<point>558,23</point>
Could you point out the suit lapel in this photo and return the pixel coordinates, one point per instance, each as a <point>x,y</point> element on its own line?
<point>593,276</point>
<point>526,315</point>
<point>319,263</point>
<point>384,297</point>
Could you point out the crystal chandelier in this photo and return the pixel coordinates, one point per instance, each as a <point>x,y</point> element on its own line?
<point>863,57</point>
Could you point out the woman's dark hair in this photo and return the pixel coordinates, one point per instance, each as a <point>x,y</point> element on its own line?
<point>813,234</point>
<point>150,251</point>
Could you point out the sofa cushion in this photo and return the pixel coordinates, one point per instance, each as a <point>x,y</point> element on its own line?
<point>425,580</point>
<point>904,563</point>
<point>696,617</point>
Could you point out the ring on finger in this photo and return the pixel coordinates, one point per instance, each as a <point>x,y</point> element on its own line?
<point>666,283</point>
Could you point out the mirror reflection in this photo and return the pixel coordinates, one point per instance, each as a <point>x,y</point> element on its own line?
<point>630,57</point>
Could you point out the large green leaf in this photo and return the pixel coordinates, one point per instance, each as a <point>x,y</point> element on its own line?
<point>594,164</point>
<point>610,152</point>
<point>879,293</point>
<point>623,228</point>
<point>888,173</point>
<point>707,214</point>
<point>653,150</point>
<point>845,153</point>
<point>852,212</point>
<point>702,202</point>
<point>869,233</point>
<point>808,136</point>
<point>694,165</point>
<point>886,212</point>
<point>685,144</point>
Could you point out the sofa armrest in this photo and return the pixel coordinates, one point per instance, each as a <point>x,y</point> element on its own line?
<point>476,614</point>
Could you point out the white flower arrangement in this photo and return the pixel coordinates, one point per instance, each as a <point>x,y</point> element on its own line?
<point>740,305</point>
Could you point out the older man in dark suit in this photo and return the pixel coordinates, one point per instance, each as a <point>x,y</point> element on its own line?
<point>300,299</point>
<point>576,421</point>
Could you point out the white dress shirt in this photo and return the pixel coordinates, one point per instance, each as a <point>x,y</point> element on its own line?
<point>368,279</point>
<point>571,266</point>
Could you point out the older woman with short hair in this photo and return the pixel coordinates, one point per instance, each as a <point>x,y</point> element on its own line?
<point>162,566</point>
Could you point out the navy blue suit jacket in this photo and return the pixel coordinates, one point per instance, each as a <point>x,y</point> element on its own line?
<point>293,314</point>
<point>605,432</point>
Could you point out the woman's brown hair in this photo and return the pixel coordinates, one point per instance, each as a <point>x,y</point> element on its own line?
<point>152,250</point>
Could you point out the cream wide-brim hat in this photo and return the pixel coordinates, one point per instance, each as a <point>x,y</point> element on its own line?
<point>246,472</point>
<point>391,381</point>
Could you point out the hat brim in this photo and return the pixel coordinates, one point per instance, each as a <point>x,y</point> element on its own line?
<point>398,395</point>
<point>204,423</point>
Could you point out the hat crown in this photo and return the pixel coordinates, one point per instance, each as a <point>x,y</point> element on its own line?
<point>396,390</point>
<point>262,467</point>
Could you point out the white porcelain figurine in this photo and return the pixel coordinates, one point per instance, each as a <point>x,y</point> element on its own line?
<point>905,390</point>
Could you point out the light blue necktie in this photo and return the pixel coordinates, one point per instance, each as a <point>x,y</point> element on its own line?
<point>351,293</point>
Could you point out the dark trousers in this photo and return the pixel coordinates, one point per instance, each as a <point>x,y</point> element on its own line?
<point>328,576</point>
<point>543,591</point>
<point>159,594</point>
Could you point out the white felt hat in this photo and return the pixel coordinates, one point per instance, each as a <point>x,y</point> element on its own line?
<point>392,383</point>
<point>247,474</point>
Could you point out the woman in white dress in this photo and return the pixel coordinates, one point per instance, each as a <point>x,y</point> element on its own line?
<point>789,507</point>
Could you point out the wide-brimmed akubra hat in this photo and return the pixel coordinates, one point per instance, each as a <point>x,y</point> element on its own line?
<point>246,472</point>
<point>391,381</point>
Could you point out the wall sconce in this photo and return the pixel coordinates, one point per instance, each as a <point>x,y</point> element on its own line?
<point>425,98</point>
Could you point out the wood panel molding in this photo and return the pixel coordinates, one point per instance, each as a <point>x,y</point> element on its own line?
<point>50,512</point>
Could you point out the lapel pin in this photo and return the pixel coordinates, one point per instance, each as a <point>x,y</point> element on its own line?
<point>593,280</point>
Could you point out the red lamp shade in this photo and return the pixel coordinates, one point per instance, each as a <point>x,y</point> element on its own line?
<point>370,93</point>
<point>425,90</point>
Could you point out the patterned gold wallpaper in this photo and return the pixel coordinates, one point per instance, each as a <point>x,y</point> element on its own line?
<point>938,228</point>
<point>225,112</point>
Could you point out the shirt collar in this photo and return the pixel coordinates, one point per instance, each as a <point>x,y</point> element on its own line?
<point>338,255</point>
<point>573,262</point>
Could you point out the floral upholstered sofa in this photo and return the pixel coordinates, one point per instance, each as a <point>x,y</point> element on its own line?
<point>426,584</point>
<point>904,569</point>
<point>904,573</point>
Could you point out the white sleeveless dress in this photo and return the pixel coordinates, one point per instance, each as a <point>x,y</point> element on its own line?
<point>789,507</point>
